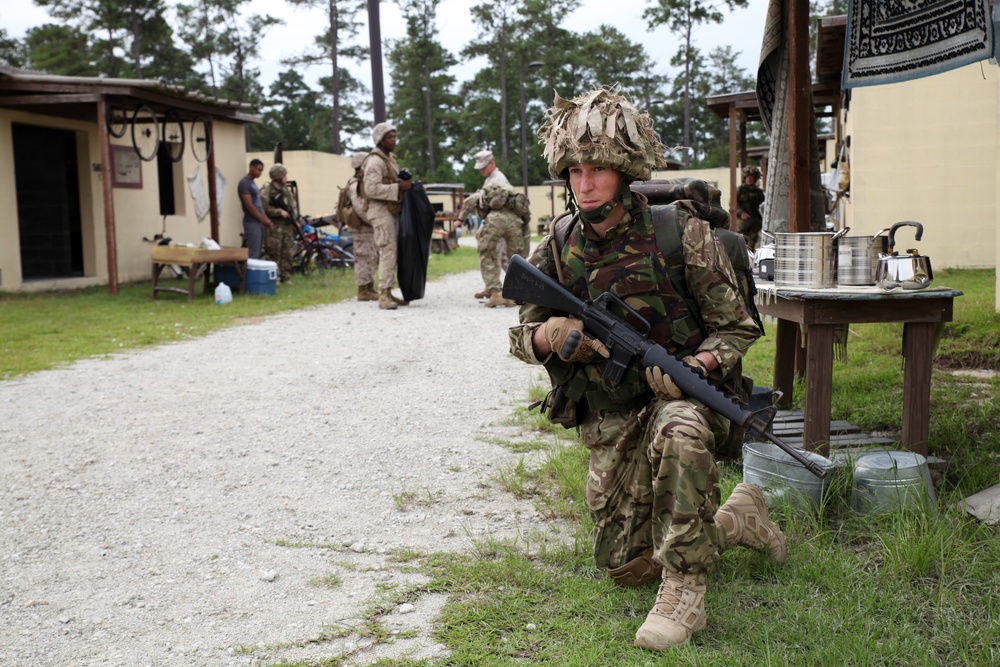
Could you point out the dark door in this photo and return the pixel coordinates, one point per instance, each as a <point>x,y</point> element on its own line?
<point>48,202</point>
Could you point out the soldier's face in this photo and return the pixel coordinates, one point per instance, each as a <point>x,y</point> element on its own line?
<point>593,185</point>
<point>389,140</point>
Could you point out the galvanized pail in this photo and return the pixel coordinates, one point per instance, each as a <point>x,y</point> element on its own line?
<point>883,480</point>
<point>780,476</point>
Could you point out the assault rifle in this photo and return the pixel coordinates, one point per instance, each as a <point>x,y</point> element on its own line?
<point>526,284</point>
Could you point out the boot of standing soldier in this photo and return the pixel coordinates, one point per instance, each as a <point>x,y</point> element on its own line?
<point>385,301</point>
<point>367,292</point>
<point>496,299</point>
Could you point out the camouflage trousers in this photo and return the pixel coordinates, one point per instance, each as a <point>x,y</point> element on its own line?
<point>653,485</point>
<point>278,248</point>
<point>385,234</point>
<point>495,229</point>
<point>365,255</point>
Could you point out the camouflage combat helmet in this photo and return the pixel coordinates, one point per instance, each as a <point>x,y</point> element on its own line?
<point>751,171</point>
<point>601,127</point>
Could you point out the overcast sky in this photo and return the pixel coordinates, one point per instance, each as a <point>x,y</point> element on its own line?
<point>742,30</point>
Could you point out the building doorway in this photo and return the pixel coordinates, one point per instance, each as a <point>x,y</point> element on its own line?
<point>48,202</point>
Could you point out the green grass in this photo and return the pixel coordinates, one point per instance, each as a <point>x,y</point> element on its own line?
<point>903,588</point>
<point>49,329</point>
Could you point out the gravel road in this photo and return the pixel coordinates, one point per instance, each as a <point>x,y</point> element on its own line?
<point>189,504</point>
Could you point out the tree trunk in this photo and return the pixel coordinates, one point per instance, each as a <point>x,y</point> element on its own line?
<point>136,46</point>
<point>335,80</point>
<point>430,121</point>
<point>504,139</point>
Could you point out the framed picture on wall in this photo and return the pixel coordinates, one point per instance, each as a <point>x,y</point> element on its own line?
<point>126,167</point>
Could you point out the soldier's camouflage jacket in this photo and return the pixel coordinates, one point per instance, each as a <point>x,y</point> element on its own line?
<point>271,197</point>
<point>628,263</point>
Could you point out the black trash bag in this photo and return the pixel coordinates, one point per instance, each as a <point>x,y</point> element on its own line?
<point>416,222</point>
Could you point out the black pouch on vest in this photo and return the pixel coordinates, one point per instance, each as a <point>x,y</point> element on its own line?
<point>561,409</point>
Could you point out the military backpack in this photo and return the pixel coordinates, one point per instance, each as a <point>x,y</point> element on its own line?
<point>345,209</point>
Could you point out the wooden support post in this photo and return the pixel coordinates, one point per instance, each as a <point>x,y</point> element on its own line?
<point>213,196</point>
<point>109,199</point>
<point>732,161</point>
<point>798,114</point>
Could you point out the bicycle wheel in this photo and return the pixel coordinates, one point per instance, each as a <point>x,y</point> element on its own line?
<point>116,118</point>
<point>145,133</point>
<point>172,134</point>
<point>201,139</point>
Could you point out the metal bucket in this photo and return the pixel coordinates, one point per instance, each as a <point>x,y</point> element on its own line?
<point>805,259</point>
<point>883,480</point>
<point>780,476</point>
<point>857,258</point>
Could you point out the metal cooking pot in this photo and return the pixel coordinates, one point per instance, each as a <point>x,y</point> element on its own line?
<point>857,258</point>
<point>911,271</point>
<point>806,259</point>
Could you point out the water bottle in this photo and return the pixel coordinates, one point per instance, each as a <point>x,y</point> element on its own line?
<point>223,294</point>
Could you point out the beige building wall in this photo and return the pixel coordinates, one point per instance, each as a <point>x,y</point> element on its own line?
<point>319,177</point>
<point>136,210</point>
<point>926,151</point>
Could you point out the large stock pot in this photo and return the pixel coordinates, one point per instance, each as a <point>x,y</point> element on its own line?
<point>806,259</point>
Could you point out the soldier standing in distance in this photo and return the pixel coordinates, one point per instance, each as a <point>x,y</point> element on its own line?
<point>280,210</point>
<point>365,253</point>
<point>500,234</point>
<point>383,189</point>
<point>749,198</point>
<point>653,487</point>
<point>487,166</point>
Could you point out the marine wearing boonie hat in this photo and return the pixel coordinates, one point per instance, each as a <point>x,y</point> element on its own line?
<point>380,130</point>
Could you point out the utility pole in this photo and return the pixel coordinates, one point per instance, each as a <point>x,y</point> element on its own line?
<point>375,47</point>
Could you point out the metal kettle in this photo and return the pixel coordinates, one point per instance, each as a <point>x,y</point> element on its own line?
<point>909,271</point>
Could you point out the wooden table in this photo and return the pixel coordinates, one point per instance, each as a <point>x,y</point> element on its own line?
<point>818,311</point>
<point>198,261</point>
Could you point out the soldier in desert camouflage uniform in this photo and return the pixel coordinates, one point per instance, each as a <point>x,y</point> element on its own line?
<point>653,486</point>
<point>365,252</point>
<point>500,224</point>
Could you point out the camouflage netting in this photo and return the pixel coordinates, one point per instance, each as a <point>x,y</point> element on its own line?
<point>601,127</point>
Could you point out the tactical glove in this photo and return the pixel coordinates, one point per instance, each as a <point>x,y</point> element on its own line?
<point>661,384</point>
<point>566,338</point>
<point>697,364</point>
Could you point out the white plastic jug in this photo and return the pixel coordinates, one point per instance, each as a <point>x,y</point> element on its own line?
<point>223,294</point>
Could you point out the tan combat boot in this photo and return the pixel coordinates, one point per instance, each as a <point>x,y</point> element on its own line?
<point>679,612</point>
<point>745,520</point>
<point>483,293</point>
<point>385,301</point>
<point>637,572</point>
<point>367,292</point>
<point>496,299</point>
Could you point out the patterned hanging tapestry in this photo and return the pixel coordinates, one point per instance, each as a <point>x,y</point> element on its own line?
<point>897,40</point>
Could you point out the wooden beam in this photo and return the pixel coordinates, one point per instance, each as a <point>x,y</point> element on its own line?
<point>68,98</point>
<point>109,198</point>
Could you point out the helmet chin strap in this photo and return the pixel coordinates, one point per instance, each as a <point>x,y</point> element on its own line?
<point>623,195</point>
